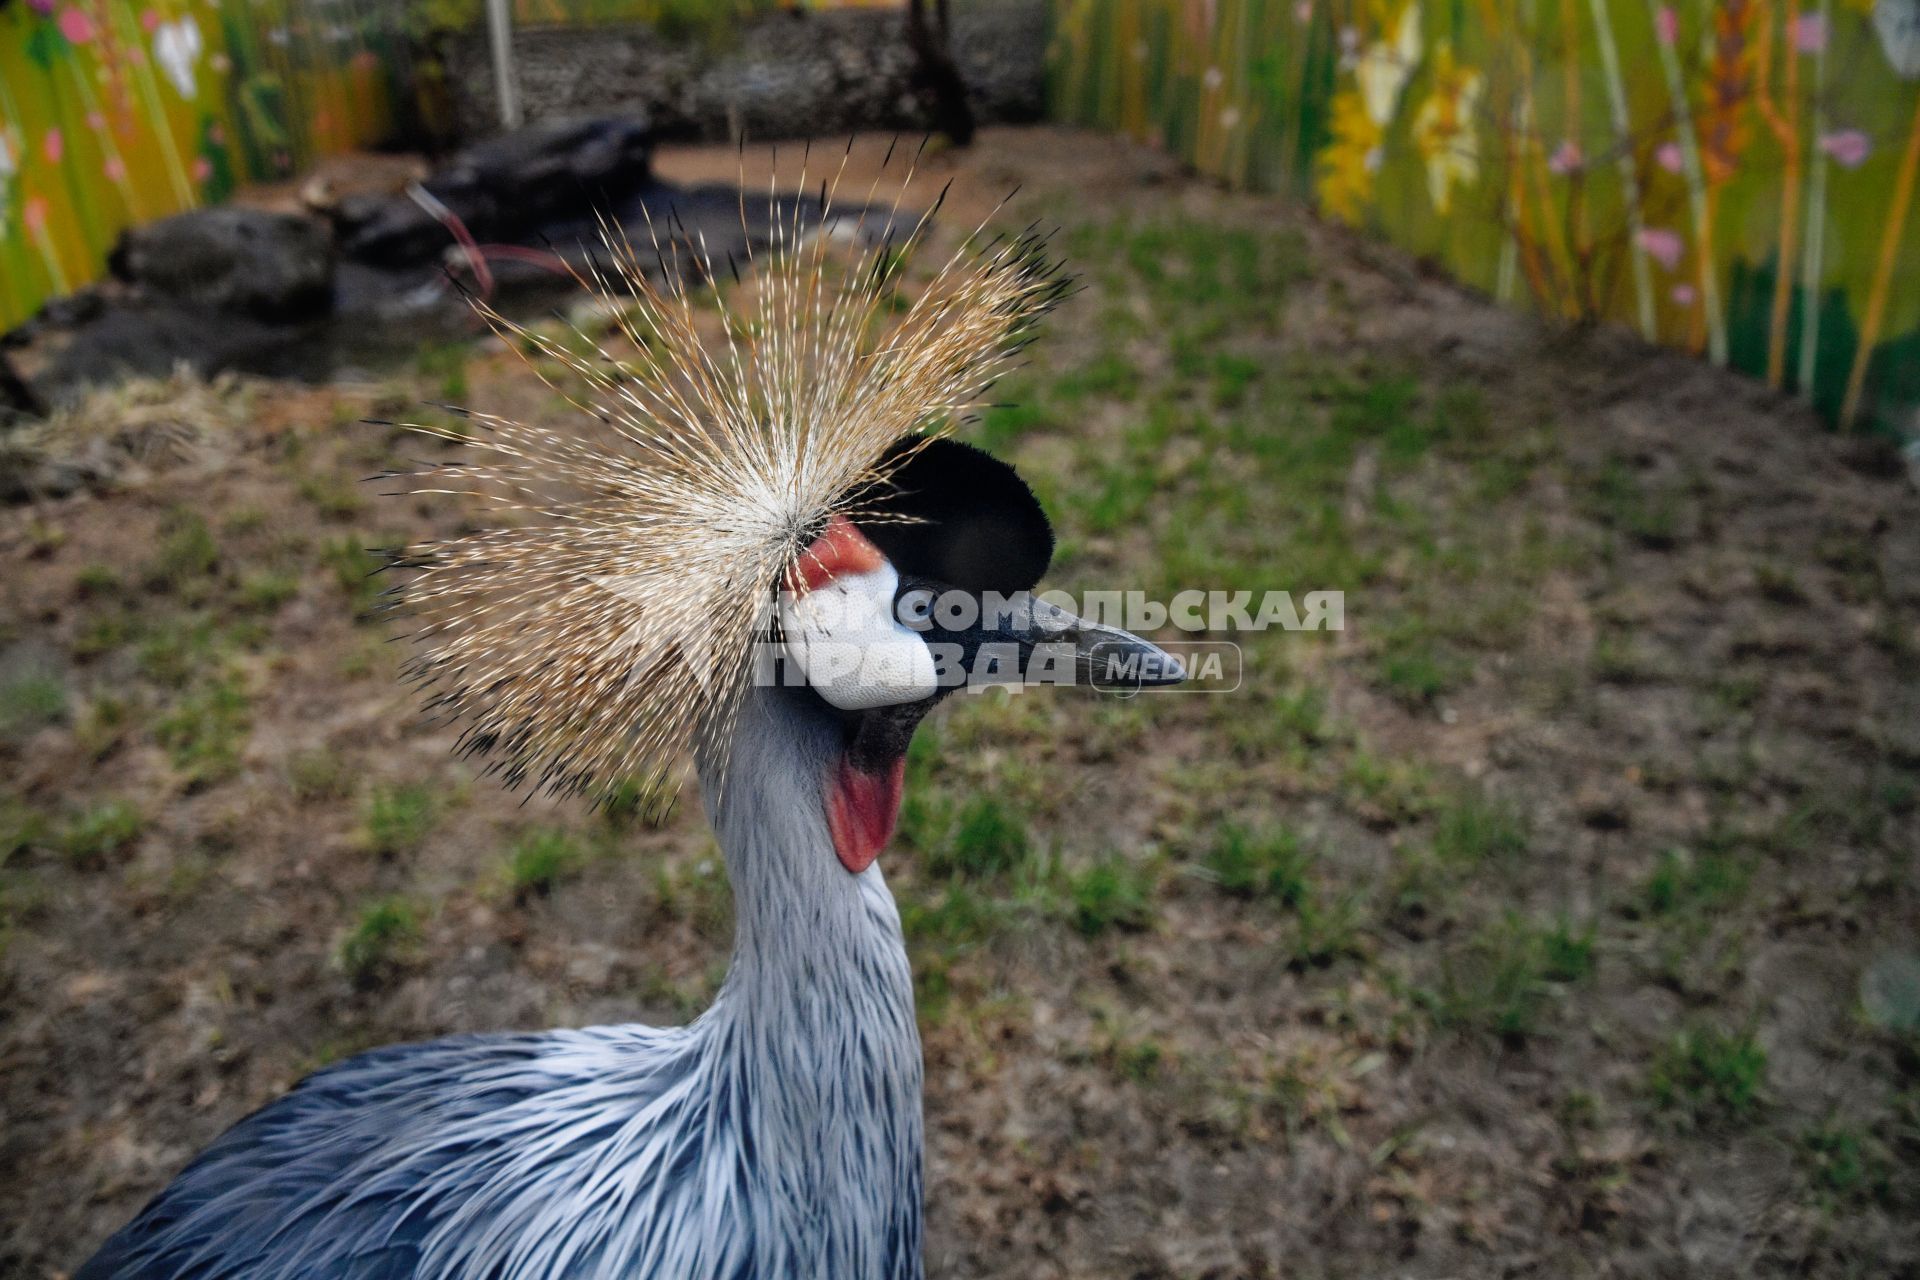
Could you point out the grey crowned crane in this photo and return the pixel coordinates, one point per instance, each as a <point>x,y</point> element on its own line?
<point>615,621</point>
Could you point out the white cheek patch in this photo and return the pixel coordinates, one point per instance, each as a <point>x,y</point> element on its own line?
<point>854,652</point>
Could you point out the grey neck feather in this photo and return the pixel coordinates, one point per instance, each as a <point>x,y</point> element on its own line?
<point>813,1030</point>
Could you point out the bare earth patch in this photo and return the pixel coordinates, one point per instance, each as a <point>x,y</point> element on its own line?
<point>1519,929</point>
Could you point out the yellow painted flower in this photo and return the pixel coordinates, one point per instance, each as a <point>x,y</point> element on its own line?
<point>1443,128</point>
<point>1349,162</point>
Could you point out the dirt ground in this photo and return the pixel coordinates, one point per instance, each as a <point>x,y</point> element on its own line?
<point>1557,917</point>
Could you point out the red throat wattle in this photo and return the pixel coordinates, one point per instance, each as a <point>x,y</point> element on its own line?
<point>862,809</point>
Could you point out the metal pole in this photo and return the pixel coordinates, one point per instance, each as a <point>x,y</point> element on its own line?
<point>500,37</point>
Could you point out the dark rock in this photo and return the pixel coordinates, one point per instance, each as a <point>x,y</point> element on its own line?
<point>505,189</point>
<point>271,266</point>
<point>16,396</point>
<point>796,73</point>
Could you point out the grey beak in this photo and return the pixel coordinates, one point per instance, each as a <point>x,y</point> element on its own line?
<point>1021,639</point>
<point>1107,658</point>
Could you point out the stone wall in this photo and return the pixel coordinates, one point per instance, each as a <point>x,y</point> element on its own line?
<point>784,75</point>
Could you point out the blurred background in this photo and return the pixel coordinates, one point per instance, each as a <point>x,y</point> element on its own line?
<point>1557,916</point>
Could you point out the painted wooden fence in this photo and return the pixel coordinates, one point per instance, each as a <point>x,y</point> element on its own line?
<point>114,112</point>
<point>1732,176</point>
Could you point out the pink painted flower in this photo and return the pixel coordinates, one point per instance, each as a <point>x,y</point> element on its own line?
<point>1666,24</point>
<point>116,170</point>
<point>53,146</point>
<point>75,25</point>
<point>1683,295</point>
<point>1810,32</point>
<point>202,168</point>
<point>1668,156</point>
<point>34,214</point>
<point>96,122</point>
<point>1303,12</point>
<point>1848,147</point>
<point>217,135</point>
<point>149,21</point>
<point>42,7</point>
<point>1566,159</point>
<point>1662,245</point>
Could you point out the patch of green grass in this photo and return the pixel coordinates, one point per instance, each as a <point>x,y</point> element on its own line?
<point>319,775</point>
<point>176,650</point>
<point>961,916</point>
<point>204,731</point>
<point>631,801</point>
<point>1478,828</point>
<point>398,818</point>
<point>698,893</point>
<point>1418,888</point>
<point>1396,791</point>
<point>31,701</point>
<point>245,520</point>
<point>95,834</point>
<point>1845,1165</point>
<point>1684,882</point>
<point>1704,1076</point>
<point>1417,667</point>
<point>1327,927</point>
<point>105,634</point>
<point>187,557</point>
<point>988,838</point>
<point>1138,1061</point>
<point>353,568</point>
<point>1287,726</point>
<point>103,725</point>
<point>542,859</point>
<point>1116,498</point>
<point>1004,423</point>
<point>332,497</point>
<point>1501,980</point>
<point>1113,893</point>
<point>1133,1059</point>
<point>445,369</point>
<point>1272,864</point>
<point>1109,375</point>
<point>1648,513</point>
<point>940,930</point>
<point>97,580</point>
<point>267,590</point>
<point>383,938</point>
<point>1567,951</point>
<point>1232,377</point>
<point>21,828</point>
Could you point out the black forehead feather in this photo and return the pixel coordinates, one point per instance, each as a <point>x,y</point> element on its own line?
<point>974,522</point>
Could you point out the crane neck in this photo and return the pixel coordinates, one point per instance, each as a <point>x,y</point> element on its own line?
<point>812,1037</point>
<point>812,941</point>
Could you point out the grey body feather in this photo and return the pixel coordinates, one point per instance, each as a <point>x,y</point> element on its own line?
<point>778,1135</point>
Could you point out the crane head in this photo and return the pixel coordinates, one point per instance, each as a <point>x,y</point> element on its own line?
<point>781,441</point>
<point>923,589</point>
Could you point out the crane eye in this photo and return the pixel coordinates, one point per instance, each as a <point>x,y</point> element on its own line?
<point>915,609</point>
